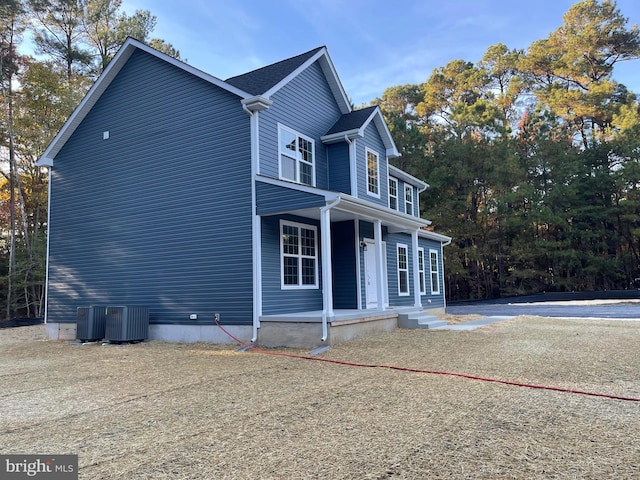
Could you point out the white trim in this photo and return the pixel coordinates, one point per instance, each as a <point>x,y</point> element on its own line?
<point>329,71</point>
<point>395,180</point>
<point>436,271</point>
<point>399,270</point>
<point>256,224</point>
<point>368,151</point>
<point>298,158</point>
<point>416,270</point>
<point>353,166</point>
<point>376,116</point>
<point>46,278</point>
<point>407,178</point>
<point>358,262</point>
<point>300,285</point>
<point>377,230</point>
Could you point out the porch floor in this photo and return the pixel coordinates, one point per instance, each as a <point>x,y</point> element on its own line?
<point>340,316</point>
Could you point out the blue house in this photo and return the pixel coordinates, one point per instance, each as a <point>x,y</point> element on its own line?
<point>264,200</point>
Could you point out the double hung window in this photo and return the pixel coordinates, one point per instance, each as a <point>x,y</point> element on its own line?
<point>393,193</point>
<point>408,199</point>
<point>421,272</point>
<point>298,255</point>
<point>435,271</point>
<point>403,270</point>
<point>296,154</point>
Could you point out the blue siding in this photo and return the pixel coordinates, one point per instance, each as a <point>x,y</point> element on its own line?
<point>339,167</point>
<point>437,301</point>
<point>393,239</point>
<point>372,141</point>
<point>275,199</point>
<point>306,105</point>
<point>401,198</point>
<point>343,241</point>
<point>158,213</point>
<point>274,299</point>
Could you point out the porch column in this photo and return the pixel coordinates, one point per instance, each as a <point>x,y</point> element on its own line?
<point>416,270</point>
<point>325,251</point>
<point>379,259</point>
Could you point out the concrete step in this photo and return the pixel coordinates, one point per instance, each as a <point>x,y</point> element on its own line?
<point>419,320</point>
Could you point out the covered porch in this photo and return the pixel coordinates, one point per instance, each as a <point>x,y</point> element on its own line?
<point>334,315</point>
<point>305,329</point>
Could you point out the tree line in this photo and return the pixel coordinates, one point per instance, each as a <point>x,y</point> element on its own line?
<point>532,156</point>
<point>51,52</point>
<point>533,160</point>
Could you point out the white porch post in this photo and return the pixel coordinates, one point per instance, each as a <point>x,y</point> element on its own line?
<point>416,270</point>
<point>327,290</point>
<point>379,259</point>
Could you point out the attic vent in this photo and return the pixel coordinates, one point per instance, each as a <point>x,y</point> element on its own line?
<point>90,323</point>
<point>127,324</point>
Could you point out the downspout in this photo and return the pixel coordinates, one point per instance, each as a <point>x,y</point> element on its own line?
<point>255,229</point>
<point>444,286</point>
<point>353,169</point>
<point>46,278</point>
<point>327,296</point>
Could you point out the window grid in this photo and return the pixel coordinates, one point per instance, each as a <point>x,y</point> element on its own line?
<point>408,199</point>
<point>421,272</point>
<point>299,255</point>
<point>403,270</point>
<point>435,272</point>
<point>373,186</point>
<point>296,156</point>
<point>393,193</point>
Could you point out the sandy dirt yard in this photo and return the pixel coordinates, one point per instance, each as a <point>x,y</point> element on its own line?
<point>173,411</point>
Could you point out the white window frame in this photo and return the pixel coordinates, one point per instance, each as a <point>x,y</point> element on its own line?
<point>408,199</point>
<point>297,156</point>
<point>435,286</point>
<point>421,271</point>
<point>393,181</point>
<point>403,271</point>
<point>300,256</point>
<point>368,152</point>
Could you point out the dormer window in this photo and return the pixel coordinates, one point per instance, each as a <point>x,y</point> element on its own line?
<point>296,153</point>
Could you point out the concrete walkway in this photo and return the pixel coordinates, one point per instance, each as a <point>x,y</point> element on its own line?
<point>473,324</point>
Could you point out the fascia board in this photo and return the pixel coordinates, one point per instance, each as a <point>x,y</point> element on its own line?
<point>408,178</point>
<point>329,72</point>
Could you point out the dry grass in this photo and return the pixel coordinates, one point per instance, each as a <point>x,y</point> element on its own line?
<point>157,410</point>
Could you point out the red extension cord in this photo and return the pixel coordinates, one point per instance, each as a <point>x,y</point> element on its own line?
<point>417,370</point>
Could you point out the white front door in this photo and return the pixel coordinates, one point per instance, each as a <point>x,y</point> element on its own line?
<point>371,290</point>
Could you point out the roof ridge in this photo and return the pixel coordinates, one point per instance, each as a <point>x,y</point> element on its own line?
<point>262,79</point>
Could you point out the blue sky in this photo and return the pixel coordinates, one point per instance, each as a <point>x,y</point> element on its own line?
<point>374,44</point>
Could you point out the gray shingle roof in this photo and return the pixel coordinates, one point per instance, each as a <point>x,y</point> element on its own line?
<point>263,79</point>
<point>352,120</point>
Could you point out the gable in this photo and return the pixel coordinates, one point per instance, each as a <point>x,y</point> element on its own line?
<point>108,75</point>
<point>267,81</point>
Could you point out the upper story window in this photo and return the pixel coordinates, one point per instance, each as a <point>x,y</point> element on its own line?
<point>408,199</point>
<point>373,173</point>
<point>296,156</point>
<point>393,193</point>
